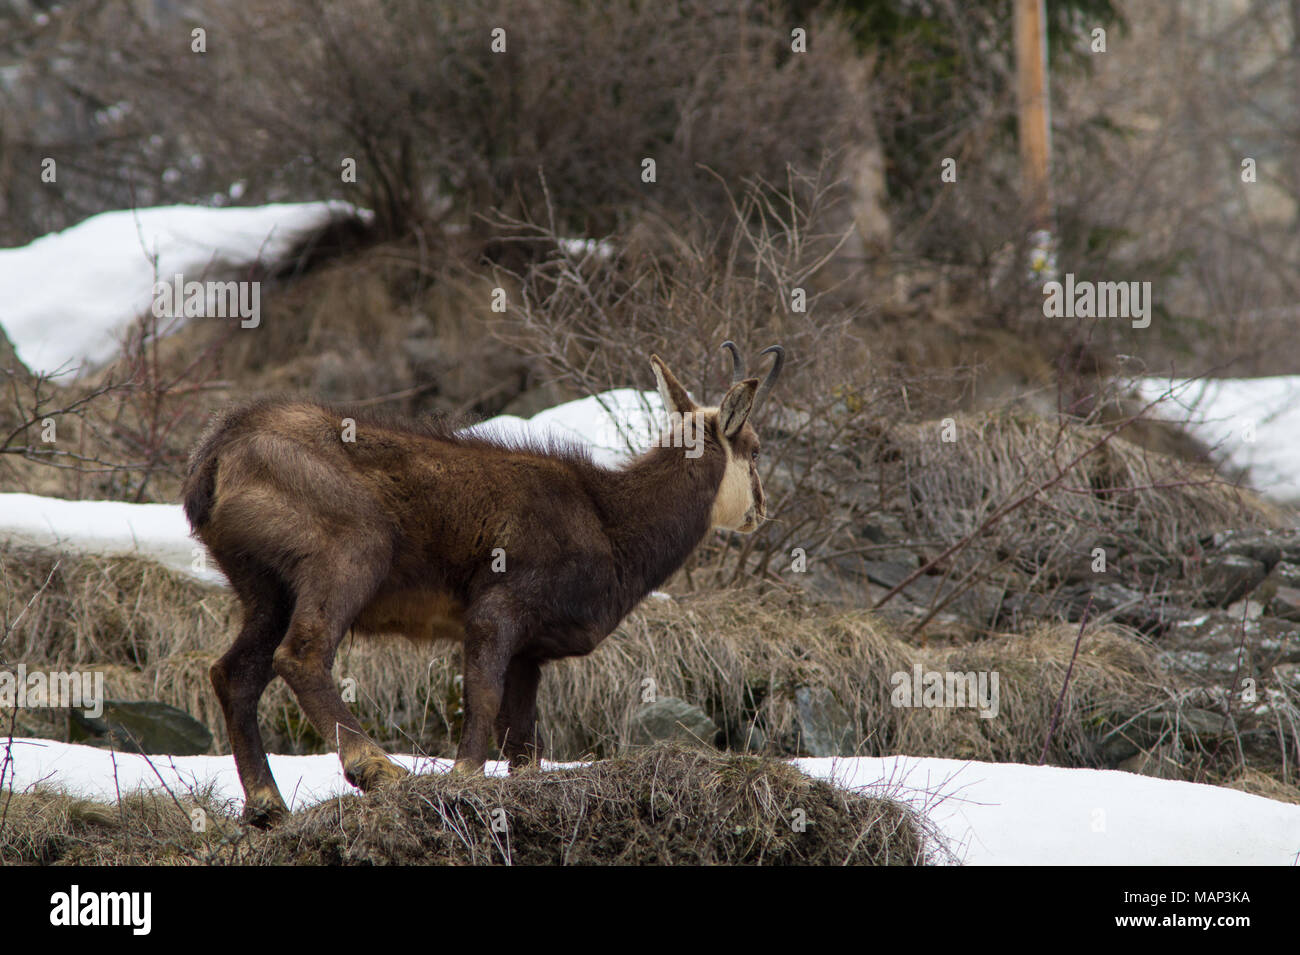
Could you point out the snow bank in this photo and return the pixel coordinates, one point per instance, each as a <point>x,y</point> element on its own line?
<point>105,528</point>
<point>988,813</point>
<point>69,295</point>
<point>1251,420</point>
<point>1012,814</point>
<point>101,774</point>
<point>614,425</point>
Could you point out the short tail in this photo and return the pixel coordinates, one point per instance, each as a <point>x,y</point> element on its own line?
<point>200,488</point>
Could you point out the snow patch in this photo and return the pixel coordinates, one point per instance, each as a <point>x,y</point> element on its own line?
<point>70,295</point>
<point>159,532</point>
<point>1253,421</point>
<point>987,813</point>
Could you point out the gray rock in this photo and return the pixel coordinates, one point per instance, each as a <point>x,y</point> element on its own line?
<point>1227,578</point>
<point>1286,573</point>
<point>1110,597</point>
<point>825,726</point>
<point>1144,731</point>
<point>979,604</point>
<point>1189,721</point>
<point>1257,545</point>
<point>1119,603</point>
<point>1289,541</point>
<point>748,738</point>
<point>1117,745</point>
<point>1147,565</point>
<point>147,727</point>
<point>1207,644</point>
<point>884,529</point>
<point>1249,608</point>
<point>671,719</point>
<point>887,573</point>
<point>1285,603</point>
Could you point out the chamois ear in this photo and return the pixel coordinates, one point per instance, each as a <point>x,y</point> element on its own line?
<point>736,406</point>
<point>671,391</point>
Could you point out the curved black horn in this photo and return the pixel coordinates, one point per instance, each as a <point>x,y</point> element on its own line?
<point>772,375</point>
<point>737,361</point>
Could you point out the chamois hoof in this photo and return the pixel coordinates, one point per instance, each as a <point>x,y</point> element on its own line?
<point>373,772</point>
<point>264,812</point>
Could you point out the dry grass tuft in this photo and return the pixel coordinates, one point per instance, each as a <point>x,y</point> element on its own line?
<point>664,806</point>
<point>1118,495</point>
<point>740,657</point>
<point>49,827</point>
<point>119,611</point>
<point>1259,783</point>
<point>743,660</point>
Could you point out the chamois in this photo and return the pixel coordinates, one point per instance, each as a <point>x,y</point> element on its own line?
<point>324,521</point>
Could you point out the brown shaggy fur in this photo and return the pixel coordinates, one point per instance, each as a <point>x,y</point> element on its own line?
<point>326,520</point>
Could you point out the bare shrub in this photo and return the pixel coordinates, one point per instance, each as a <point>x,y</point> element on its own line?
<point>116,431</point>
<point>593,315</point>
<point>1065,489</point>
<point>439,123</point>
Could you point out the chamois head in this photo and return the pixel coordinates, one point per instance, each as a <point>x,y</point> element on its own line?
<point>740,505</point>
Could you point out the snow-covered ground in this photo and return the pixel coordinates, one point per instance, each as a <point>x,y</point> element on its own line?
<point>987,813</point>
<point>106,528</point>
<point>70,295</point>
<point>1253,421</point>
<point>1012,814</point>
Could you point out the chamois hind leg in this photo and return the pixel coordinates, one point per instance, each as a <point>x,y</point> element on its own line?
<point>489,634</point>
<point>516,725</point>
<point>241,676</point>
<point>329,598</point>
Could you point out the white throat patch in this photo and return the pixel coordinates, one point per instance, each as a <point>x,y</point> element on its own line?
<point>735,496</point>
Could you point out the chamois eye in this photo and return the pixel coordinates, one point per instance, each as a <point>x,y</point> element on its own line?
<point>754,456</point>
